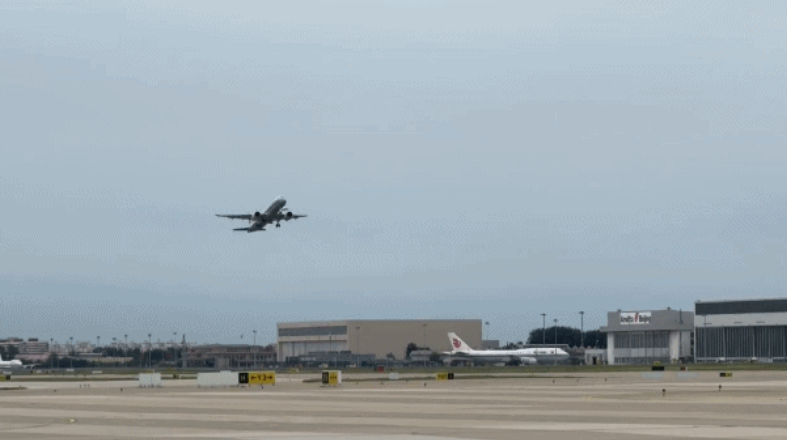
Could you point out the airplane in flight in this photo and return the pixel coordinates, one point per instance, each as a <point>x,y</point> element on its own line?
<point>525,356</point>
<point>275,213</point>
<point>11,364</point>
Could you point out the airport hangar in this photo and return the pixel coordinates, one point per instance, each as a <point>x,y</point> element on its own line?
<point>645,337</point>
<point>741,330</point>
<point>377,337</point>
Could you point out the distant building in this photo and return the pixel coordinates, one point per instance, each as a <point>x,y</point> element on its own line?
<point>741,330</point>
<point>341,359</point>
<point>645,337</point>
<point>488,344</point>
<point>595,356</point>
<point>34,346</point>
<point>30,351</point>
<point>380,338</point>
<point>229,356</point>
<point>31,346</point>
<point>421,354</point>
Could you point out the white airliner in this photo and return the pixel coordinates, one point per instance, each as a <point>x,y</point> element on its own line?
<point>275,213</point>
<point>10,364</point>
<point>527,356</point>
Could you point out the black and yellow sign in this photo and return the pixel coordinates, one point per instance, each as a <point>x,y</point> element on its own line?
<point>4,378</point>
<point>441,376</point>
<point>257,378</point>
<point>450,376</point>
<point>725,374</point>
<point>331,377</point>
<point>262,377</point>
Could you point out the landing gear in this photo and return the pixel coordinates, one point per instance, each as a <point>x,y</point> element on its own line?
<point>278,225</point>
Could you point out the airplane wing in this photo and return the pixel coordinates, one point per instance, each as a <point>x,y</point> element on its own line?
<point>238,216</point>
<point>294,216</point>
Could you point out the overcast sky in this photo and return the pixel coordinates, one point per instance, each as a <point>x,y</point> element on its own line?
<point>456,159</point>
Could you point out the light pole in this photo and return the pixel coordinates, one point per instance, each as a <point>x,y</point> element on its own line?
<point>582,329</point>
<point>424,344</point>
<point>555,340</point>
<point>114,354</point>
<point>98,341</point>
<point>51,348</point>
<point>544,330</point>
<point>72,352</point>
<point>358,347</point>
<point>255,347</point>
<point>150,350</point>
<point>174,351</point>
<point>486,324</point>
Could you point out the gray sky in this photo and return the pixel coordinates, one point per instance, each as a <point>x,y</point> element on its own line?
<point>457,159</point>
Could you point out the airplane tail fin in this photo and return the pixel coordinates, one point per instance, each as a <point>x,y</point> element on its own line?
<point>1,358</point>
<point>457,344</point>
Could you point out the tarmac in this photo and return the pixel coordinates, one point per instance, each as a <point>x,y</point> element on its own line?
<point>750,405</point>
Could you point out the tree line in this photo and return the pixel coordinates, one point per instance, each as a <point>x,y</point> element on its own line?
<point>573,337</point>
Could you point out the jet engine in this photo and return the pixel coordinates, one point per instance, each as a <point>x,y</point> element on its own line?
<point>257,214</point>
<point>528,361</point>
<point>289,214</point>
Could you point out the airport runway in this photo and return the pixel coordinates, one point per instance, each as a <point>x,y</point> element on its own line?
<point>751,405</point>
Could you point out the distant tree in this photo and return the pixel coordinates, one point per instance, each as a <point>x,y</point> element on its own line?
<point>135,354</point>
<point>157,355</point>
<point>568,335</point>
<point>565,335</point>
<point>390,356</point>
<point>113,352</point>
<point>9,352</point>
<point>595,338</point>
<point>410,348</point>
<point>66,362</point>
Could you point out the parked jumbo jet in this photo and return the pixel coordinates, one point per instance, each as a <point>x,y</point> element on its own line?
<point>275,213</point>
<point>526,356</point>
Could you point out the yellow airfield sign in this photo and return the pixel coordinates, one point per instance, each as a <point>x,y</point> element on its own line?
<point>331,377</point>
<point>262,378</point>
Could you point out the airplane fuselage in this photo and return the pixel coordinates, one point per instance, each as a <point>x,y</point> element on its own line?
<point>11,364</point>
<point>525,355</point>
<point>529,356</point>
<point>270,215</point>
